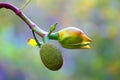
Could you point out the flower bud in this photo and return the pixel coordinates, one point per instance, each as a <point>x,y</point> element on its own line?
<point>73,38</point>
<point>32,42</point>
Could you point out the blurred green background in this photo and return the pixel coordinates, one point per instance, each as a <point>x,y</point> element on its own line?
<point>99,19</point>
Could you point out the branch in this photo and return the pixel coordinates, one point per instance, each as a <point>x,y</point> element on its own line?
<point>19,13</point>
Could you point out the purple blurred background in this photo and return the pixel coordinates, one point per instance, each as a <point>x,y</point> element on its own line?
<point>99,19</point>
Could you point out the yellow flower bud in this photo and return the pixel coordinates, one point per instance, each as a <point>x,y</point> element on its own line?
<point>73,38</point>
<point>32,42</point>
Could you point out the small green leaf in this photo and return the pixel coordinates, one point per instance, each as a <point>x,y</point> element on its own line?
<point>52,28</point>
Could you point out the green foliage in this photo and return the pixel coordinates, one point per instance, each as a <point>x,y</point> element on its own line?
<point>52,28</point>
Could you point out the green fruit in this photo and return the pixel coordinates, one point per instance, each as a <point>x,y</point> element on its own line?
<point>51,56</point>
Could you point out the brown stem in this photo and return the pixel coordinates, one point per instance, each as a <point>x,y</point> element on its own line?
<point>17,11</point>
